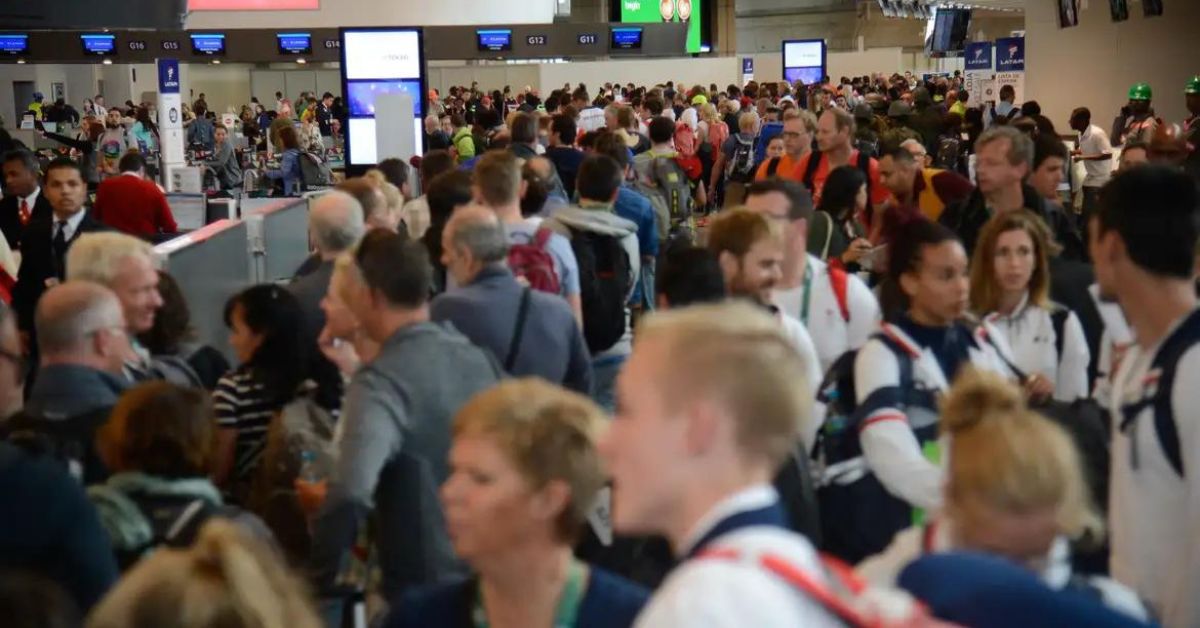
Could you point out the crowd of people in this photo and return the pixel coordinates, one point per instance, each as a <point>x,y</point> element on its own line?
<point>839,354</point>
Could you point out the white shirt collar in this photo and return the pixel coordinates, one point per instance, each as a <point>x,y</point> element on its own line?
<point>132,174</point>
<point>31,199</point>
<point>72,225</point>
<point>1017,312</point>
<point>750,498</point>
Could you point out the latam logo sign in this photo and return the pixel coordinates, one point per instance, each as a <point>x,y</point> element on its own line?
<point>979,55</point>
<point>168,76</point>
<point>1010,54</point>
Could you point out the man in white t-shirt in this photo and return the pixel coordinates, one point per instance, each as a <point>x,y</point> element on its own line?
<point>1143,242</point>
<point>836,307</point>
<point>749,250</point>
<point>590,118</point>
<point>709,409</point>
<point>1095,152</point>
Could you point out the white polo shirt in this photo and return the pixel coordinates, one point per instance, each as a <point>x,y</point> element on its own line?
<point>814,303</point>
<point>1154,513</point>
<point>1094,141</point>
<point>1030,333</point>
<point>717,593</point>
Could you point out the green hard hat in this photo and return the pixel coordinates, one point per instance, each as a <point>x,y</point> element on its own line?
<point>1140,91</point>
<point>1193,85</point>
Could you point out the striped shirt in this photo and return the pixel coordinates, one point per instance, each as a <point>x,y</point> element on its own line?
<point>241,403</point>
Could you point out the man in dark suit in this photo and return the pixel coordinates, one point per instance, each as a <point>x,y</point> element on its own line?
<point>46,240</point>
<point>23,199</point>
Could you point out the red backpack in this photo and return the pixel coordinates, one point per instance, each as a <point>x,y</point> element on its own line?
<point>533,265</point>
<point>685,147</point>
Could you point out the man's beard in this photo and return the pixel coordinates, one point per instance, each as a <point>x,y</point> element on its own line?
<point>109,125</point>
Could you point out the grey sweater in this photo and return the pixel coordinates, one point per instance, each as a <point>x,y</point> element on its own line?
<point>392,456</point>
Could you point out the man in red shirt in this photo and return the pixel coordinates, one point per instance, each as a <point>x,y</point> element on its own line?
<point>131,203</point>
<point>835,134</point>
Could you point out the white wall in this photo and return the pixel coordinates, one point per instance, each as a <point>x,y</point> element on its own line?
<point>223,85</point>
<point>489,76</point>
<point>1093,64</point>
<point>383,13</point>
<point>690,71</point>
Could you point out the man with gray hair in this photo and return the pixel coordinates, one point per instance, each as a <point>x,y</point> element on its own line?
<point>1004,159</point>
<point>335,226</point>
<point>529,332</point>
<point>83,343</point>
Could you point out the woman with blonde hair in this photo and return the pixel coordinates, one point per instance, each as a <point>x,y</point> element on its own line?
<point>524,476</point>
<point>1010,288</point>
<point>1014,488</point>
<point>224,580</point>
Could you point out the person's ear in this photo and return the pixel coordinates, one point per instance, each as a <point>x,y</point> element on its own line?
<point>908,284</point>
<point>551,500</point>
<point>730,265</point>
<point>703,428</point>
<point>524,187</point>
<point>800,227</point>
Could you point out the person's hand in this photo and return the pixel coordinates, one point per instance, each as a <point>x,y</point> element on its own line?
<point>338,351</point>
<point>310,495</point>
<point>1038,387</point>
<point>857,248</point>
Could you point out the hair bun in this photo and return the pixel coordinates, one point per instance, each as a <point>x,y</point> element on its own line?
<point>977,395</point>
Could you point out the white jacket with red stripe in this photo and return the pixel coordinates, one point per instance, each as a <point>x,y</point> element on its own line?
<point>890,447</point>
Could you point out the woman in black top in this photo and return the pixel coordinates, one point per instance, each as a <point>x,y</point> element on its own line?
<point>89,159</point>
<point>267,334</point>
<point>836,232</point>
<point>174,335</point>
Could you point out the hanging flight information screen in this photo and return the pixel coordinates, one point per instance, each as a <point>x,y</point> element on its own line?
<point>378,61</point>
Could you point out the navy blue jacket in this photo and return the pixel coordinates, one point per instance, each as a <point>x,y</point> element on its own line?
<point>610,602</point>
<point>50,528</point>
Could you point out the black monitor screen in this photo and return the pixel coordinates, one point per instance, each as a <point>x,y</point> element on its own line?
<point>99,45</point>
<point>208,44</point>
<point>14,44</point>
<point>294,43</point>
<point>494,40</point>
<point>626,39</point>
<point>950,30</point>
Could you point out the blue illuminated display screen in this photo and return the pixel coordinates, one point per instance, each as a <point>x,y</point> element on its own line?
<point>294,43</point>
<point>494,40</point>
<point>626,39</point>
<point>14,44</point>
<point>99,44</point>
<point>208,44</point>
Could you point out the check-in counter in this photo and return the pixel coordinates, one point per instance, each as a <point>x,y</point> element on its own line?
<point>210,265</point>
<point>278,232</point>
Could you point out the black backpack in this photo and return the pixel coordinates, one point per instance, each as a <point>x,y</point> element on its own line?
<point>604,284</point>
<point>70,441</point>
<point>740,168</point>
<point>859,517</point>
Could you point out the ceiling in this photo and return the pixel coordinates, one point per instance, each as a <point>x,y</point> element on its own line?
<point>1004,5</point>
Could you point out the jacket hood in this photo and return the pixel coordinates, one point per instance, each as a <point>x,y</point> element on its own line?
<point>127,527</point>
<point>595,220</point>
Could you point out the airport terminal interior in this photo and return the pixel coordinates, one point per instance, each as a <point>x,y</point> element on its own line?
<point>599,313</point>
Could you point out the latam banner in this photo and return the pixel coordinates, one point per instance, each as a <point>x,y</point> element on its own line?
<point>747,69</point>
<point>1010,65</point>
<point>170,116</point>
<point>979,73</point>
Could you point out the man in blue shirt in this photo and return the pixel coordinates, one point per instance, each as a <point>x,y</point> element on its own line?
<point>634,207</point>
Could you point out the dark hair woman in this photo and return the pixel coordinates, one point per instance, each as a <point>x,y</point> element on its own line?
<point>266,327</point>
<point>174,335</point>
<point>844,201</point>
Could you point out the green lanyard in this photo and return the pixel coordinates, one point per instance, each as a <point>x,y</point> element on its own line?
<point>568,604</point>
<point>808,273</point>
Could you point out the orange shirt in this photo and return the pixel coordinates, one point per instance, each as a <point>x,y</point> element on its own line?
<point>786,169</point>
<point>875,188</point>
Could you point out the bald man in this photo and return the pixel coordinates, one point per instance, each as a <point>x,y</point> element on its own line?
<point>335,226</point>
<point>84,343</point>
<point>530,333</point>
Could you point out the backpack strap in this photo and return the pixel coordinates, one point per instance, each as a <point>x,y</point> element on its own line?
<point>773,166</point>
<point>825,248</point>
<point>803,582</point>
<point>810,169</point>
<point>514,346</point>
<point>1058,319</point>
<point>1165,363</point>
<point>541,237</point>
<point>840,282</point>
<point>864,164</point>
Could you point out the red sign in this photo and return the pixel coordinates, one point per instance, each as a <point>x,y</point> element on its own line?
<point>254,5</point>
